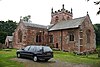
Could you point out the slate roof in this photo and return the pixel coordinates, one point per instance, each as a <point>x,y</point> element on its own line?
<point>74,23</point>
<point>10,38</point>
<point>34,25</point>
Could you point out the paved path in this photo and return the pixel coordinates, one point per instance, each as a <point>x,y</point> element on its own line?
<point>50,63</point>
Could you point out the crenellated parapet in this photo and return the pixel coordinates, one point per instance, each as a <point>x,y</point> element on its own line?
<point>60,15</point>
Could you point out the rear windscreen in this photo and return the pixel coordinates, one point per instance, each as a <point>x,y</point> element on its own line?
<point>46,49</point>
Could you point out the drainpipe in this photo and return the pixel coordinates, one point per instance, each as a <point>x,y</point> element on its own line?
<point>61,39</point>
<point>79,44</point>
<point>43,37</point>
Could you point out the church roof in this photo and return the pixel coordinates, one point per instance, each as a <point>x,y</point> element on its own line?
<point>68,24</point>
<point>34,25</point>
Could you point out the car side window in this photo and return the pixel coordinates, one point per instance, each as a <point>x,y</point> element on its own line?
<point>39,49</point>
<point>31,49</point>
<point>46,49</point>
<point>27,48</point>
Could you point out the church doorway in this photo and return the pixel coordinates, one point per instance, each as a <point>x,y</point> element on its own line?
<point>56,45</point>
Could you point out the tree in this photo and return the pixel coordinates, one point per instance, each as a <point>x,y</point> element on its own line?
<point>26,18</point>
<point>97,3</point>
<point>6,29</point>
<point>97,32</point>
<point>2,36</point>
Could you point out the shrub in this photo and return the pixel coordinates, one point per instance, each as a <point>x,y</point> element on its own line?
<point>1,46</point>
<point>98,51</point>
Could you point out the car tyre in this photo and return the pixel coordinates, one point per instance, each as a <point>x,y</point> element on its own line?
<point>18,55</point>
<point>35,58</point>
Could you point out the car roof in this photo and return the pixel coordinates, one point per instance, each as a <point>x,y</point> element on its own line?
<point>38,46</point>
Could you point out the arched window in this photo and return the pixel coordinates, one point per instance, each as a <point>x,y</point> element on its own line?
<point>68,18</point>
<point>71,37</point>
<point>56,19</point>
<point>20,35</point>
<point>63,18</point>
<point>38,37</point>
<point>51,38</point>
<point>88,33</point>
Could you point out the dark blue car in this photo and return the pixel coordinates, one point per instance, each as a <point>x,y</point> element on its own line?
<point>36,52</point>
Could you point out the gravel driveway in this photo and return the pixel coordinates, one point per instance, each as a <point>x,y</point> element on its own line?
<point>50,63</point>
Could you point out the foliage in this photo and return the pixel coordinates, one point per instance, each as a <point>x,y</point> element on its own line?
<point>97,32</point>
<point>97,3</point>
<point>5,59</point>
<point>98,51</point>
<point>6,28</point>
<point>26,18</point>
<point>92,59</point>
<point>3,36</point>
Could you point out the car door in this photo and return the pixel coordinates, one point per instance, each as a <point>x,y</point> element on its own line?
<point>48,51</point>
<point>25,52</point>
<point>31,51</point>
<point>38,50</point>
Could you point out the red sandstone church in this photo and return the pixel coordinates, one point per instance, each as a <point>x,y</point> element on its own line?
<point>64,32</point>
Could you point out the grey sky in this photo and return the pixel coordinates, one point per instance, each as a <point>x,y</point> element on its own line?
<point>40,10</point>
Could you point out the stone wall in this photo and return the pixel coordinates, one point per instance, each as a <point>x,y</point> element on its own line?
<point>84,28</point>
<point>61,38</point>
<point>29,36</point>
<point>80,43</point>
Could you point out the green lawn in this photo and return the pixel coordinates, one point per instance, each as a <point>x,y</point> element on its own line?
<point>92,59</point>
<point>5,59</point>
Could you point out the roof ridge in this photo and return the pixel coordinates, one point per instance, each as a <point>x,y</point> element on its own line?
<point>80,17</point>
<point>34,23</point>
<point>73,23</point>
<point>71,19</point>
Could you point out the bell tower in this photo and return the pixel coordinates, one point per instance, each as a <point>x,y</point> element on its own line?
<point>60,15</point>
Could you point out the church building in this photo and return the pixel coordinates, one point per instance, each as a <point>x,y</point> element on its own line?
<point>63,33</point>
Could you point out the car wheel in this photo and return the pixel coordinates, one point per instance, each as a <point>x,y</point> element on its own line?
<point>35,58</point>
<point>18,55</point>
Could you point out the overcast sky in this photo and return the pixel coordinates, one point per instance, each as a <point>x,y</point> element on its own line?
<point>40,10</point>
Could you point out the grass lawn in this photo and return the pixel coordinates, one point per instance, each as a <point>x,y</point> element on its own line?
<point>92,59</point>
<point>5,59</point>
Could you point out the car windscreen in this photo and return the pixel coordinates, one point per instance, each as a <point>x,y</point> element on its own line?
<point>47,49</point>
